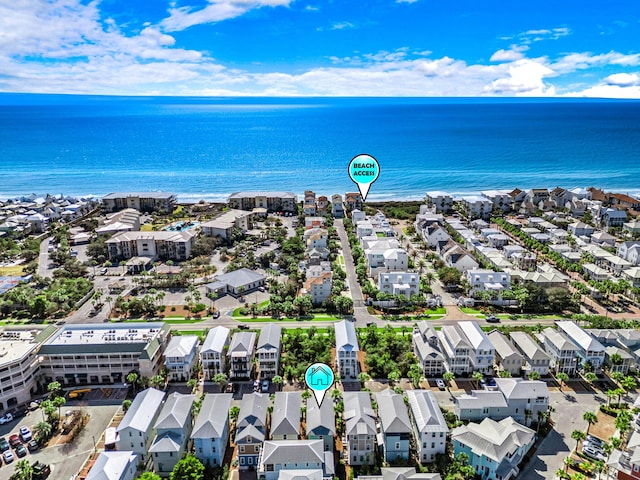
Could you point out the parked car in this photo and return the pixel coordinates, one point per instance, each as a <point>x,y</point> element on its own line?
<point>103,271</point>
<point>40,471</point>
<point>25,433</point>
<point>14,441</point>
<point>21,451</point>
<point>265,386</point>
<point>216,314</point>
<point>440,384</point>
<point>4,445</point>
<point>243,327</point>
<point>256,385</point>
<point>492,319</point>
<point>8,457</point>
<point>6,419</point>
<point>593,453</point>
<point>33,446</point>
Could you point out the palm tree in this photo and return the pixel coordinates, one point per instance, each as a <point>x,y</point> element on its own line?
<point>562,378</point>
<point>448,377</point>
<point>628,383</point>
<point>220,379</point>
<point>590,377</point>
<point>59,402</point>
<point>192,384</point>
<point>568,462</point>
<point>394,376</point>
<point>578,436</point>
<point>132,378</point>
<point>505,374</point>
<point>363,377</point>
<point>44,429</point>
<point>24,470</point>
<point>477,376</point>
<point>533,375</point>
<point>277,380</point>
<point>306,394</point>
<point>590,418</point>
<point>157,381</point>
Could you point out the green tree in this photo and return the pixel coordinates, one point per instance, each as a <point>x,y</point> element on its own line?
<point>233,413</point>
<point>221,379</point>
<point>59,402</point>
<point>189,468</point>
<point>126,405</point>
<point>192,383</point>
<point>590,377</point>
<point>303,304</point>
<point>394,376</point>
<point>149,476</point>
<point>477,376</point>
<point>562,378</point>
<point>23,470</point>
<point>277,380</point>
<point>44,430</point>
<point>505,374</point>
<point>590,418</point>
<point>132,378</point>
<point>533,375</point>
<point>157,381</point>
<point>54,389</point>
<point>363,377</point>
<point>628,383</point>
<point>578,436</point>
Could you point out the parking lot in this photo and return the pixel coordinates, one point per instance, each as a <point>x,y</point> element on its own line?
<point>65,460</point>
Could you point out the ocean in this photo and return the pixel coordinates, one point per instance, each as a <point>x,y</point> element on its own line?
<point>207,148</point>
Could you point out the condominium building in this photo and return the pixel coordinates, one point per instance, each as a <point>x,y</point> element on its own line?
<point>272,201</point>
<point>163,245</point>
<point>19,363</point>
<point>141,201</point>
<point>103,353</point>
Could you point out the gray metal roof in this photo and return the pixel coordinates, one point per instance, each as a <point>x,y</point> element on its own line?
<point>426,330</point>
<point>359,414</point>
<point>518,388</point>
<point>156,195</point>
<point>306,474</point>
<point>493,439</point>
<point>426,351</point>
<point>242,342</point>
<point>292,451</point>
<point>167,442</point>
<point>559,340</point>
<point>181,346</point>
<point>426,412</point>
<point>269,338</point>
<point>406,473</point>
<point>213,416</point>
<point>455,336</point>
<point>581,338</point>
<point>274,194</point>
<point>250,431</point>
<point>111,465</point>
<point>285,417</point>
<point>346,338</point>
<point>143,410</point>
<point>216,339</point>
<point>392,412</point>
<point>253,410</point>
<point>320,420</point>
<point>528,346</point>
<point>240,278</point>
<point>481,398</point>
<point>504,348</point>
<point>175,412</point>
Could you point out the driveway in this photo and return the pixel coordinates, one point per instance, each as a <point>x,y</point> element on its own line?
<point>45,269</point>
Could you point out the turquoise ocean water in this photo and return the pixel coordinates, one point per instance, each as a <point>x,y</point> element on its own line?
<point>208,148</point>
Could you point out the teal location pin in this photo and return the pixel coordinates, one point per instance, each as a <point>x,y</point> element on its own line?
<point>319,378</point>
<point>363,171</point>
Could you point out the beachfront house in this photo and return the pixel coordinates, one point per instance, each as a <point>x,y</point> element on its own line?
<point>360,428</point>
<point>240,355</point>
<point>172,427</point>
<point>268,351</point>
<point>135,431</point>
<point>180,357</point>
<point>535,358</point>
<point>321,422</point>
<point>494,449</point>
<point>395,427</point>
<point>251,429</point>
<point>442,201</point>
<point>141,201</point>
<point>429,426</point>
<point>213,352</point>
<point>211,429</point>
<point>347,350</point>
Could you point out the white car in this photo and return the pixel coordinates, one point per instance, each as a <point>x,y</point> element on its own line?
<point>8,456</point>
<point>6,419</point>
<point>440,384</point>
<point>593,453</point>
<point>25,433</point>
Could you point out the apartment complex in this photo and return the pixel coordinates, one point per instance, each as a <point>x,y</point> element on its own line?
<point>141,201</point>
<point>103,353</point>
<point>271,201</point>
<point>163,245</point>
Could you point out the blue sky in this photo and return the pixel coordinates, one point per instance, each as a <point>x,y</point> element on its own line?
<point>321,48</point>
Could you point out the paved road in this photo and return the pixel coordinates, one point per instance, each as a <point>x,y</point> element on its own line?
<point>44,269</point>
<point>360,312</point>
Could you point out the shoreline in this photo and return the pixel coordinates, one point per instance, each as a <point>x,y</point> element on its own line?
<point>381,197</point>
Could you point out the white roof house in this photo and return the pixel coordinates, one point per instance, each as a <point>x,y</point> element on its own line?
<point>142,411</point>
<point>346,338</point>
<point>114,466</point>
<point>589,349</point>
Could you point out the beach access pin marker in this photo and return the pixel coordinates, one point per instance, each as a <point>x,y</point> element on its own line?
<point>364,170</point>
<point>319,378</point>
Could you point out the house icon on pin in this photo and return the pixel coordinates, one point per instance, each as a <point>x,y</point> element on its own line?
<point>319,377</point>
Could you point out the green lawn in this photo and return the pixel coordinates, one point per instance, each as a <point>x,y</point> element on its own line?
<point>13,271</point>
<point>169,320</point>
<point>314,318</point>
<point>471,311</point>
<point>189,332</point>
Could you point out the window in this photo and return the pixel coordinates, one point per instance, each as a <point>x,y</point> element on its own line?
<point>241,460</point>
<point>433,445</point>
<point>130,434</point>
<point>397,445</point>
<point>141,444</point>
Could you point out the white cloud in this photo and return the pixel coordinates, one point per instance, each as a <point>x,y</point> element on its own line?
<point>514,53</point>
<point>406,1</point>
<point>585,60</point>
<point>623,79</point>
<point>181,18</point>
<point>342,26</point>
<point>537,35</point>
<point>524,77</point>
<point>608,91</point>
